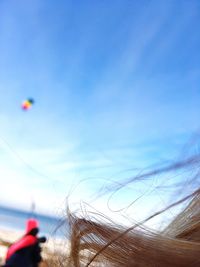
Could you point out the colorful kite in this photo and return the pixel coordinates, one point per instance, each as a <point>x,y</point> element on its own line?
<point>27,104</point>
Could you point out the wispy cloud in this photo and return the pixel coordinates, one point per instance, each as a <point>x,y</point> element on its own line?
<point>115,87</point>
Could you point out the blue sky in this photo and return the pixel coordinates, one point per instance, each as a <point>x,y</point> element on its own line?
<point>116,87</point>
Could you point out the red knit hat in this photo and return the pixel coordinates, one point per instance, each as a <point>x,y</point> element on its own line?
<point>31,224</point>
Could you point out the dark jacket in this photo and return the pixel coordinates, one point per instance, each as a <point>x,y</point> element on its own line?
<point>25,252</point>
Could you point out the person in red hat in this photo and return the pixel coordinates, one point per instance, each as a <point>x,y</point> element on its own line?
<point>26,252</point>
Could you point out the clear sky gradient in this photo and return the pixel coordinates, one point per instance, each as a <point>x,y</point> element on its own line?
<point>116,87</point>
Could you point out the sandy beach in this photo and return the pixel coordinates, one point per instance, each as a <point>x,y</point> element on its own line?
<point>52,248</point>
<point>6,238</point>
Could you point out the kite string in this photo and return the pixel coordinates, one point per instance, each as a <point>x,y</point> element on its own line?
<point>17,155</point>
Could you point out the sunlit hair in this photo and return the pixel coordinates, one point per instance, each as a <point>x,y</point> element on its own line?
<point>107,244</point>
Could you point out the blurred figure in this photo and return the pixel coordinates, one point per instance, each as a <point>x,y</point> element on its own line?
<point>26,252</point>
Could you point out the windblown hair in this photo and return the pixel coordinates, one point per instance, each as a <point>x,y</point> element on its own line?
<point>177,245</point>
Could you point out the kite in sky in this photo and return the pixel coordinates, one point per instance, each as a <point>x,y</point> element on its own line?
<point>27,104</point>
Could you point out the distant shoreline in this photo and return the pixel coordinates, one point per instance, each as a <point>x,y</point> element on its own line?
<point>15,220</point>
<point>25,212</point>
